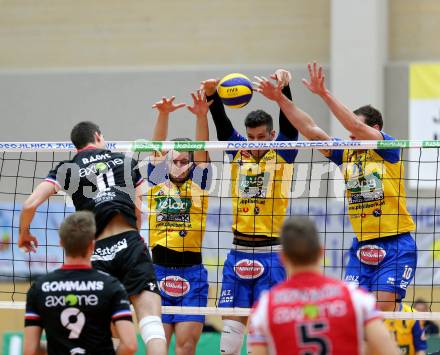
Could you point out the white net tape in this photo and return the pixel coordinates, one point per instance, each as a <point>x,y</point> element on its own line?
<point>146,146</point>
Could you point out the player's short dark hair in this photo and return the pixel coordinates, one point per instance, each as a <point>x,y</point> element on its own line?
<point>191,153</point>
<point>372,115</point>
<point>84,133</point>
<point>259,118</point>
<point>420,301</point>
<point>76,233</point>
<point>300,241</point>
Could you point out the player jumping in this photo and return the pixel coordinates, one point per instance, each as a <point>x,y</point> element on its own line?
<point>76,304</point>
<point>383,256</point>
<point>178,204</point>
<point>108,184</point>
<point>261,182</point>
<point>311,313</point>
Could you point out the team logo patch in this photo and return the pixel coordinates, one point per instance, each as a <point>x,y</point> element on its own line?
<point>249,269</point>
<point>101,168</point>
<point>175,286</point>
<point>371,254</point>
<point>377,212</point>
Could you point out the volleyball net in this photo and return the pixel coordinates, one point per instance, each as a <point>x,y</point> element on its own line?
<point>237,189</point>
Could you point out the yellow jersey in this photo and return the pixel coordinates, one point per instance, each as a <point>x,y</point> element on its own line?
<point>260,191</point>
<point>177,212</point>
<point>375,191</point>
<point>408,334</point>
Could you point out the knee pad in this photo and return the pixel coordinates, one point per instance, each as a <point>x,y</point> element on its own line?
<point>151,328</point>
<point>232,337</point>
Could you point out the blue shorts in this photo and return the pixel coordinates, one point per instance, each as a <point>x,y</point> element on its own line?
<point>246,275</point>
<point>183,286</point>
<point>383,264</point>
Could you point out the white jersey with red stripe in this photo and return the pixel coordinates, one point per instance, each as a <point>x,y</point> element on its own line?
<point>312,314</point>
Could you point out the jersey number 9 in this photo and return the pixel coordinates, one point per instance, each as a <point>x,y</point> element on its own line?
<point>73,319</point>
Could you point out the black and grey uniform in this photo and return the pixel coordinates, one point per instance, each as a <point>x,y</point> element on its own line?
<point>104,183</point>
<point>75,305</point>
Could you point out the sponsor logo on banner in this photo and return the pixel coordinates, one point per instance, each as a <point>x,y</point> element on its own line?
<point>371,254</point>
<point>291,144</point>
<point>185,146</point>
<point>392,144</point>
<point>141,145</point>
<point>431,144</point>
<point>175,286</point>
<point>249,269</point>
<point>45,146</point>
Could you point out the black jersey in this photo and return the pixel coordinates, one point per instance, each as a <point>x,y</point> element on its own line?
<point>76,305</point>
<point>100,181</point>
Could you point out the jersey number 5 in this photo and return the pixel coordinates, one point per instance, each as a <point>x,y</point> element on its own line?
<point>73,319</point>
<point>310,335</point>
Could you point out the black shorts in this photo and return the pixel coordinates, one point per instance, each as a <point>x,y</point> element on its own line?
<point>126,257</point>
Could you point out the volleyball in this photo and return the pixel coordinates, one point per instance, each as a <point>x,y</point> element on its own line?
<point>235,90</point>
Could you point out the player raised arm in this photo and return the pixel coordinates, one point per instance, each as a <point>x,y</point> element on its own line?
<point>200,108</point>
<point>160,133</point>
<point>223,124</point>
<point>164,108</point>
<point>303,122</point>
<point>40,195</point>
<point>348,119</point>
<point>287,130</point>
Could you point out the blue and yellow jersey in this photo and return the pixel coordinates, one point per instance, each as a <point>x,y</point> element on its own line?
<point>408,334</point>
<point>375,191</point>
<point>260,189</point>
<point>177,212</point>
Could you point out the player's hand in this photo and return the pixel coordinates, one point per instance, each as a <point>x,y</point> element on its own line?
<point>317,80</point>
<point>209,86</point>
<point>268,89</point>
<point>282,76</point>
<point>27,242</point>
<point>200,106</point>
<point>167,105</point>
